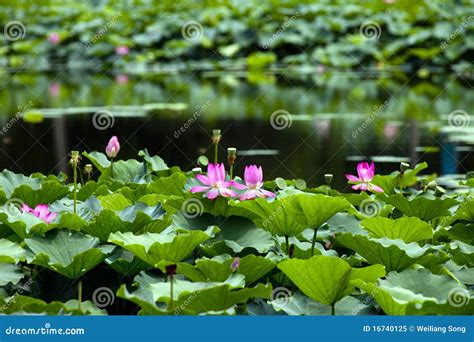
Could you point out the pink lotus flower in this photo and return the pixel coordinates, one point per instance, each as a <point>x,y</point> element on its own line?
<point>112,148</point>
<point>54,89</point>
<point>253,178</point>
<point>214,184</point>
<point>54,38</point>
<point>41,211</point>
<point>365,174</point>
<point>122,50</point>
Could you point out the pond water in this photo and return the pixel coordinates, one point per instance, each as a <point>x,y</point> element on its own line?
<point>324,123</point>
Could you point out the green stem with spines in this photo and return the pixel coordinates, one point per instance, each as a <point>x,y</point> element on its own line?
<point>75,186</point>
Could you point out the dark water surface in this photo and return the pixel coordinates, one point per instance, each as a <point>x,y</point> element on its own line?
<point>336,120</point>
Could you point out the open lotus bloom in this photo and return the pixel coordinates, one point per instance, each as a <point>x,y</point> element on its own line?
<point>214,183</point>
<point>365,174</point>
<point>41,211</point>
<point>113,147</point>
<point>253,187</point>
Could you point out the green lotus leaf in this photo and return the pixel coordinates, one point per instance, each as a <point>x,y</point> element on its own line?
<point>281,217</point>
<point>155,248</point>
<point>11,252</point>
<point>326,279</point>
<point>191,297</point>
<point>462,253</point>
<point>339,223</point>
<point>126,263</point>
<point>47,192</point>
<point>422,207</point>
<point>460,231</point>
<point>318,209</point>
<point>86,210</point>
<point>154,163</point>
<point>100,160</point>
<point>465,211</point>
<point>91,188</point>
<point>218,269</point>
<point>172,185</point>
<point>114,201</point>
<point>395,255</point>
<point>409,291</point>
<point>81,255</point>
<point>237,233</point>
<point>396,180</point>
<point>464,274</point>
<point>19,305</point>
<point>9,181</point>
<point>138,218</point>
<point>408,229</point>
<point>300,305</point>
<point>10,273</point>
<point>23,224</point>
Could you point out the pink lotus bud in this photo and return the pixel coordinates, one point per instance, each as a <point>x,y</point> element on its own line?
<point>235,265</point>
<point>113,147</point>
<point>54,38</point>
<point>122,50</point>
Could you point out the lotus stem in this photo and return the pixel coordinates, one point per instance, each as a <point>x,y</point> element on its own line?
<point>313,243</point>
<point>287,242</point>
<point>333,309</point>
<point>171,293</point>
<point>75,186</point>
<point>112,167</point>
<point>79,294</point>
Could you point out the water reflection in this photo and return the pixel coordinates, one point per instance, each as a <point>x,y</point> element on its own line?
<point>326,110</point>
